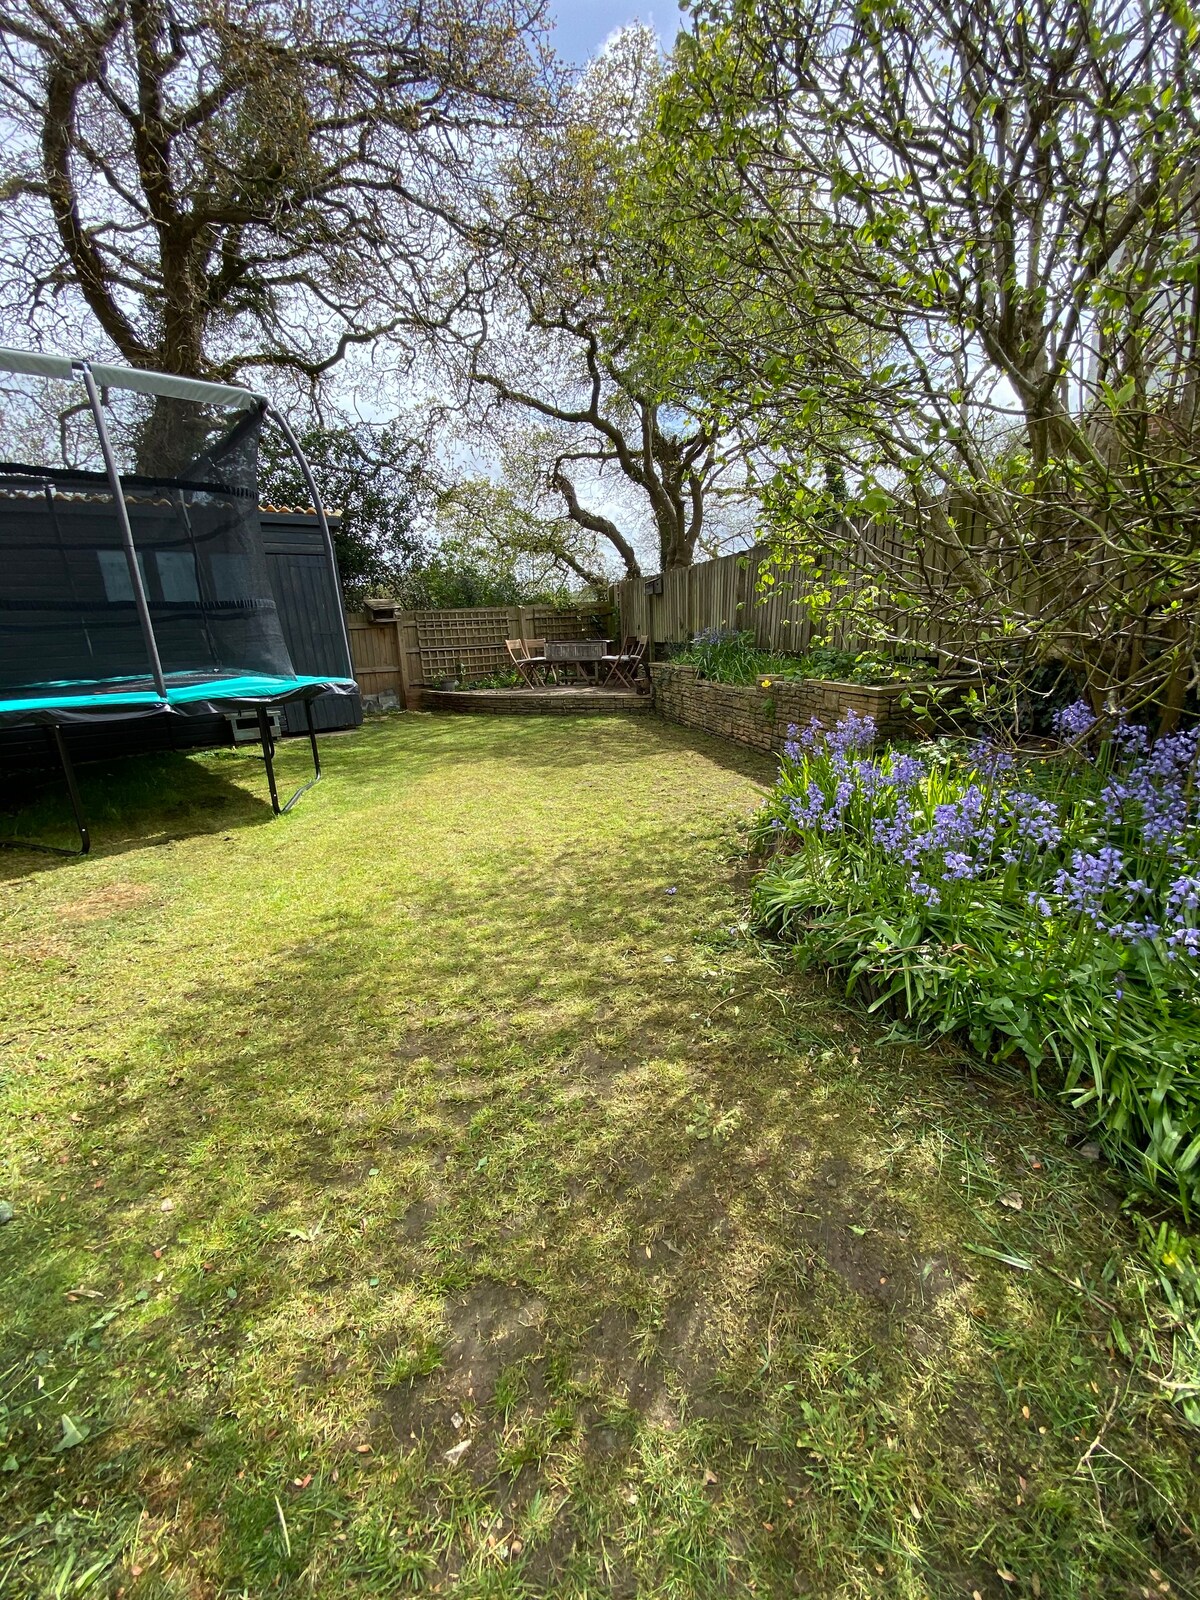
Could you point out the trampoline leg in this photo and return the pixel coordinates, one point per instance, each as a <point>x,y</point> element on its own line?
<point>85,838</point>
<point>268,750</point>
<point>312,739</point>
<point>68,772</point>
<point>316,755</point>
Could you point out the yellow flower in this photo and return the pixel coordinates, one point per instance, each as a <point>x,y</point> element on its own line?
<point>765,684</point>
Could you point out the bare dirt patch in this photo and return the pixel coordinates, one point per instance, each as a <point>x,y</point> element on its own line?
<point>107,902</point>
<point>491,1327</point>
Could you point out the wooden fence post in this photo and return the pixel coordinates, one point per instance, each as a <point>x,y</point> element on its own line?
<point>408,654</point>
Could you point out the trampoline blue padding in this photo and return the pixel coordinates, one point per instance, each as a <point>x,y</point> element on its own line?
<point>87,700</point>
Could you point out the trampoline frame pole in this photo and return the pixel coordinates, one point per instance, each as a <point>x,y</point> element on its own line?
<point>323,521</point>
<point>60,743</point>
<point>122,510</point>
<point>55,734</point>
<point>267,740</point>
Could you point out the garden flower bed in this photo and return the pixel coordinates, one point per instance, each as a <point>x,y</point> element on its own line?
<point>1046,908</point>
<point>724,684</point>
<point>759,714</point>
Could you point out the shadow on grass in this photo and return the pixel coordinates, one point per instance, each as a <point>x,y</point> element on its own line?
<point>502,1129</point>
<point>137,801</point>
<point>134,802</point>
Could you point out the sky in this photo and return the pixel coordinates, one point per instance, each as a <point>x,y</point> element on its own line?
<point>582,26</point>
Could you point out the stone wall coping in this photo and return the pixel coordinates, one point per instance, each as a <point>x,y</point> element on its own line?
<point>845,684</point>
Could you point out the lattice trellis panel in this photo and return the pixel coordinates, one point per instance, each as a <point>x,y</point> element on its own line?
<point>470,643</point>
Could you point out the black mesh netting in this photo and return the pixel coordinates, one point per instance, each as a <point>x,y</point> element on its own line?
<point>68,616</point>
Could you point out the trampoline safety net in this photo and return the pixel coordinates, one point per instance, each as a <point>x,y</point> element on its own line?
<point>72,642</point>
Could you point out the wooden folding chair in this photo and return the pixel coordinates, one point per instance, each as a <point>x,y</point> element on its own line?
<point>524,657</point>
<point>623,668</point>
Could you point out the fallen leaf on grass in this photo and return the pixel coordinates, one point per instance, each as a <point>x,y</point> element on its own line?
<point>1012,1200</point>
<point>72,1434</point>
<point>363,1449</point>
<point>455,1455</point>
<point>710,1476</point>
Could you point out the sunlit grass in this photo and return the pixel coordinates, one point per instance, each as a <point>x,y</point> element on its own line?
<point>430,1115</point>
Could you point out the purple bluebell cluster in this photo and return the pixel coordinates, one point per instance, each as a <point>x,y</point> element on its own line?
<point>995,761</point>
<point>852,735</point>
<point>1157,790</point>
<point>907,770</point>
<point>1037,819</point>
<point>1127,868</point>
<point>1086,883</point>
<point>1074,721</point>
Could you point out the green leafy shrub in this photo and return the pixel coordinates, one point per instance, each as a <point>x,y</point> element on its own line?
<point>503,678</point>
<point>728,657</point>
<point>1049,910</point>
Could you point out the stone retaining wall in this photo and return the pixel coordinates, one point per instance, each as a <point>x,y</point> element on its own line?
<point>516,702</point>
<point>760,717</point>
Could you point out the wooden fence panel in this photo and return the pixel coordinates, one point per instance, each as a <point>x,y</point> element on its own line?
<point>748,591</point>
<point>394,657</point>
<point>375,653</point>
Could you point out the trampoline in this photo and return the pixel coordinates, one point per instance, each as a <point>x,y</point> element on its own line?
<point>134,582</point>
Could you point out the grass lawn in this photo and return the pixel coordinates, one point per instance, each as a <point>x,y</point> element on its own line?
<point>436,1190</point>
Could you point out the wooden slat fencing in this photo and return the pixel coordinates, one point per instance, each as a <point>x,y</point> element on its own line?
<point>750,592</point>
<point>395,658</point>
<point>725,594</point>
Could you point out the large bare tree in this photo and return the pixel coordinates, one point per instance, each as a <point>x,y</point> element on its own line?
<point>553,340</point>
<point>214,186</point>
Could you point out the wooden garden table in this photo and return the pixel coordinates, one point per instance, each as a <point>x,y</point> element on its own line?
<point>585,654</point>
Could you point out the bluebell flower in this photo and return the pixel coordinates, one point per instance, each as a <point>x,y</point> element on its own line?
<point>1131,738</point>
<point>852,734</point>
<point>995,761</point>
<point>1183,895</point>
<point>895,836</point>
<point>1088,879</point>
<point>1157,785</point>
<point>871,778</point>
<point>1074,721</point>
<point>807,810</point>
<point>924,891</point>
<point>906,771</point>
<point>1036,818</point>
